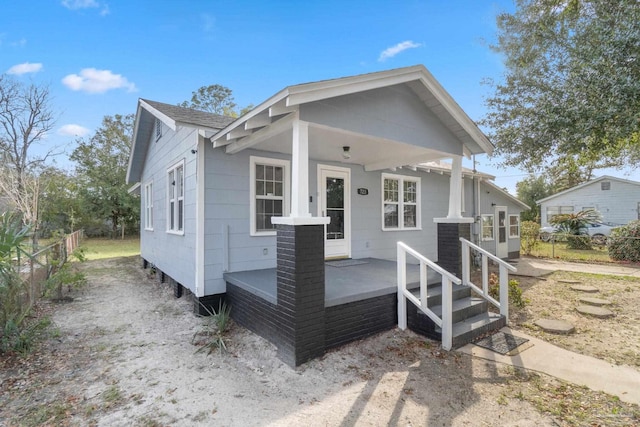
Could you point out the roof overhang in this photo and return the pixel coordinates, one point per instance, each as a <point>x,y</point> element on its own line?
<point>276,115</point>
<point>146,116</point>
<point>505,193</point>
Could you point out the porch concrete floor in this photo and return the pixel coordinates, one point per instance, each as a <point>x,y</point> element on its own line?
<point>368,278</point>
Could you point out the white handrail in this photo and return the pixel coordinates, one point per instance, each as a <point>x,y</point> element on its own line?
<point>504,268</point>
<point>445,323</point>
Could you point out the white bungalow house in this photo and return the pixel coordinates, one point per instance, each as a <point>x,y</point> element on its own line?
<point>293,212</point>
<point>617,200</point>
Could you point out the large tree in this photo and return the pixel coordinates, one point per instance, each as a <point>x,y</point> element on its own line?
<point>26,117</point>
<point>529,191</point>
<point>101,167</point>
<point>215,99</point>
<point>60,204</point>
<point>572,84</point>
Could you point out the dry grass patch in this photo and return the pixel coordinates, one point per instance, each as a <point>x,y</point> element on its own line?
<point>616,340</point>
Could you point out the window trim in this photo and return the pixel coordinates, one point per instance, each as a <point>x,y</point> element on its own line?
<point>148,206</point>
<point>267,161</point>
<point>401,179</point>
<point>560,211</point>
<point>517,235</point>
<point>176,206</point>
<point>493,227</point>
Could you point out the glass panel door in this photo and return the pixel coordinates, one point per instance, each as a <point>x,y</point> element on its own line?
<point>335,208</point>
<point>334,202</point>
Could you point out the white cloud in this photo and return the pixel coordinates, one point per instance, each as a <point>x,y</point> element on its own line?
<point>73,130</point>
<point>25,68</point>
<point>86,4</point>
<point>80,4</point>
<point>392,51</point>
<point>91,80</point>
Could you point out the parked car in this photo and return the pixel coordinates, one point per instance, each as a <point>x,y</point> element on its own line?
<point>598,232</point>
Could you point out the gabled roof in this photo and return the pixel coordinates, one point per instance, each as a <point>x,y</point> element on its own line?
<point>417,77</point>
<point>584,184</point>
<point>506,194</point>
<point>172,116</point>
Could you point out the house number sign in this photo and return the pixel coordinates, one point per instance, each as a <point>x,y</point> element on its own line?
<point>363,191</point>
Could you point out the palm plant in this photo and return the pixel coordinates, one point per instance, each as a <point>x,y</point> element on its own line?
<point>13,309</point>
<point>575,227</point>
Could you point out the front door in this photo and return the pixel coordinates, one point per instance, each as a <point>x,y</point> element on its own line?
<point>335,202</point>
<point>502,245</point>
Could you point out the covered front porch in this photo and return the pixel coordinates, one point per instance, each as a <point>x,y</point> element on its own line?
<point>346,281</point>
<point>357,299</point>
<point>357,131</point>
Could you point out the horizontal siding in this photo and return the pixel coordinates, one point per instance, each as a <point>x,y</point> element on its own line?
<point>159,247</point>
<point>618,205</point>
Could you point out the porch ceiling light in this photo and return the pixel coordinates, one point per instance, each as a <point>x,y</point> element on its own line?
<point>346,153</point>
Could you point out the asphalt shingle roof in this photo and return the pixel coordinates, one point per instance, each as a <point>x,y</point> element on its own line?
<point>191,116</point>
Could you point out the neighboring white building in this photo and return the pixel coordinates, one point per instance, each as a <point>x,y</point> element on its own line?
<point>617,200</point>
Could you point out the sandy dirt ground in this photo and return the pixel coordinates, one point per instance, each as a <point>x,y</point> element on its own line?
<point>122,354</point>
<point>615,340</point>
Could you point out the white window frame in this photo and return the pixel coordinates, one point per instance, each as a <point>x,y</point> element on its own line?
<point>148,206</point>
<point>562,210</point>
<point>517,224</point>
<point>177,200</point>
<point>401,203</point>
<point>482,227</point>
<point>267,161</point>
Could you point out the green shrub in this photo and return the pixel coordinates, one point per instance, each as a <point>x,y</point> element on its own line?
<point>515,291</point>
<point>66,274</point>
<point>529,236</point>
<point>14,307</point>
<point>575,226</point>
<point>581,241</point>
<point>624,242</point>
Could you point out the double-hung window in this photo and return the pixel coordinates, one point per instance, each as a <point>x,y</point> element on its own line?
<point>269,193</point>
<point>514,226</point>
<point>148,206</point>
<point>487,227</point>
<point>175,198</point>
<point>400,202</point>
<point>558,210</point>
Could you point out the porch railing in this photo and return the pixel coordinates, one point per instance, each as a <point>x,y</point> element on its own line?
<point>503,275</point>
<point>445,322</point>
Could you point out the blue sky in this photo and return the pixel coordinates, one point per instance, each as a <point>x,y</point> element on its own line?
<point>99,56</point>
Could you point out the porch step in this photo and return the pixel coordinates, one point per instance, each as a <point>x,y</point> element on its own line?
<point>464,308</point>
<point>471,317</point>
<point>468,330</point>
<point>434,293</point>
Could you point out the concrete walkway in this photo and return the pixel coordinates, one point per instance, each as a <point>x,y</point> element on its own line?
<point>541,356</point>
<point>536,267</point>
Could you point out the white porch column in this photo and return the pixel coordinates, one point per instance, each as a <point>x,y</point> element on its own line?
<point>455,189</point>
<point>300,214</point>
<point>300,170</point>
